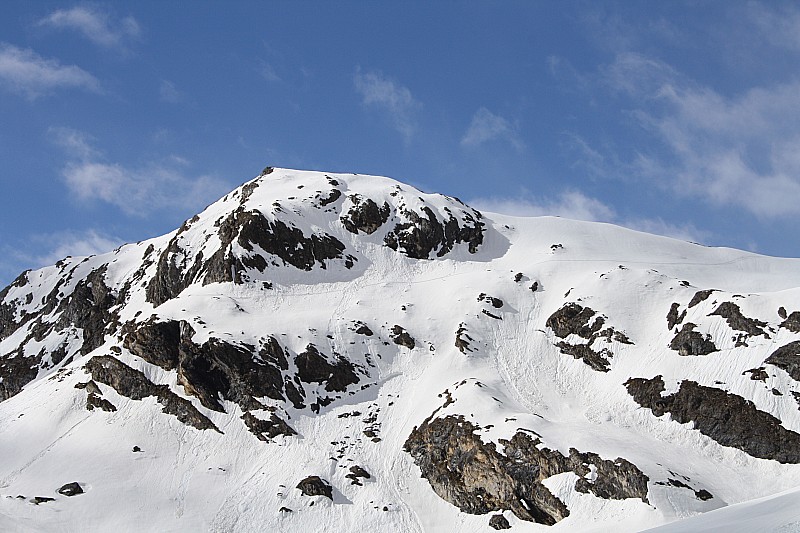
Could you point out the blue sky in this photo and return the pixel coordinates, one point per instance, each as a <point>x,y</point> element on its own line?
<point>120,120</point>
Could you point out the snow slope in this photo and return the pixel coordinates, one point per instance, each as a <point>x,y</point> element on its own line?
<point>510,377</point>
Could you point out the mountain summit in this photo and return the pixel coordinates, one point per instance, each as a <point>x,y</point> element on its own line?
<point>330,352</point>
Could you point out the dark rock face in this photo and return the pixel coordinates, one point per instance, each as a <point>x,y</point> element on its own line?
<point>400,336</point>
<point>71,489</point>
<point>499,521</point>
<point>356,474</point>
<point>700,296</point>
<point>690,342</point>
<point>462,339</point>
<point>266,430</point>
<point>315,486</point>
<point>736,320</point>
<point>216,369</point>
<point>673,318</point>
<point>365,215</point>
<point>574,319</point>
<point>423,235</point>
<point>727,418</point>
<point>86,308</point>
<point>312,367</point>
<point>476,478</point>
<point>497,303</point>
<point>787,358</point>
<point>133,384</point>
<point>792,322</point>
<point>249,229</point>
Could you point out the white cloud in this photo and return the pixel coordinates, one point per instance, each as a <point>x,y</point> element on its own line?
<point>396,100</point>
<point>486,126</point>
<point>268,72</point>
<point>575,205</point>
<point>76,244</point>
<point>569,204</point>
<point>733,151</point>
<point>168,92</point>
<point>780,26</point>
<point>95,25</point>
<point>139,191</point>
<point>26,72</point>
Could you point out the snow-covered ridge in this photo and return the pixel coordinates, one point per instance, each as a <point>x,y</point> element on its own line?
<point>349,333</point>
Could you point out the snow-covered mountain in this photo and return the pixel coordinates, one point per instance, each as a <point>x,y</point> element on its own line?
<point>328,352</point>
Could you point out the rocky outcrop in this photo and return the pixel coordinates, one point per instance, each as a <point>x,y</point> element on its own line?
<point>315,486</point>
<point>71,489</point>
<point>736,320</point>
<point>400,336</point>
<point>133,384</point>
<point>700,296</point>
<point>266,430</point>
<point>724,417</point>
<point>476,478</point>
<point>673,318</point>
<point>365,216</point>
<point>792,322</point>
<point>689,342</point>
<point>499,521</point>
<point>574,319</point>
<point>357,473</point>
<point>312,367</point>
<point>787,358</point>
<point>423,235</point>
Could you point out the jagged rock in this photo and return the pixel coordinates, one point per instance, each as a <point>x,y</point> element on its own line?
<point>419,237</point>
<point>787,358</point>
<point>312,367</point>
<point>462,339</point>
<point>265,430</point>
<point>94,401</point>
<point>136,449</point>
<point>726,418</point>
<point>792,322</point>
<point>285,510</point>
<point>690,342</point>
<point>499,521</point>
<point>363,329</point>
<point>216,369</point>
<point>71,489</point>
<point>315,486</point>
<point>596,360</point>
<point>41,499</point>
<point>573,318</point>
<point>476,478</point>
<point>133,384</point>
<point>365,215</point>
<point>703,495</point>
<point>736,320</point>
<point>757,374</point>
<point>782,312</point>
<point>357,472</point>
<point>400,336</point>
<point>700,296</point>
<point>673,318</point>
<point>497,303</point>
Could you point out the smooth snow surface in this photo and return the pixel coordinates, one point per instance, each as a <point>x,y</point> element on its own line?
<point>515,378</point>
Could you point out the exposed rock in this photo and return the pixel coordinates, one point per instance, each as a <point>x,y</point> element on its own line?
<point>265,430</point>
<point>699,297</point>
<point>792,322</point>
<point>133,384</point>
<point>757,374</point>
<point>573,318</point>
<point>400,336</point>
<point>421,236</point>
<point>498,521</point>
<point>285,510</point>
<point>782,312</point>
<point>736,320</point>
<point>491,315</point>
<point>497,303</point>
<point>673,318</point>
<point>357,472</point>
<point>690,342</point>
<point>365,215</point>
<point>94,401</point>
<point>597,360</point>
<point>41,499</point>
<point>333,195</point>
<point>155,342</point>
<point>787,358</point>
<point>462,339</point>
<point>476,478</point>
<point>518,277</point>
<point>703,495</point>
<point>313,367</point>
<point>724,417</point>
<point>136,449</point>
<point>71,489</point>
<point>363,329</point>
<point>315,486</point>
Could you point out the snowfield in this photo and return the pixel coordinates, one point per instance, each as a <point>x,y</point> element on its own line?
<point>508,375</point>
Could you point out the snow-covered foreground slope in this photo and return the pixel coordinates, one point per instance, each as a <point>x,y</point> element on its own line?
<point>556,372</point>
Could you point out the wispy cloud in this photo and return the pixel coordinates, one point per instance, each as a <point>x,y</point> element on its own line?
<point>168,92</point>
<point>25,72</point>
<point>158,185</point>
<point>94,24</point>
<point>486,127</point>
<point>736,150</point>
<point>395,100</point>
<point>575,205</point>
